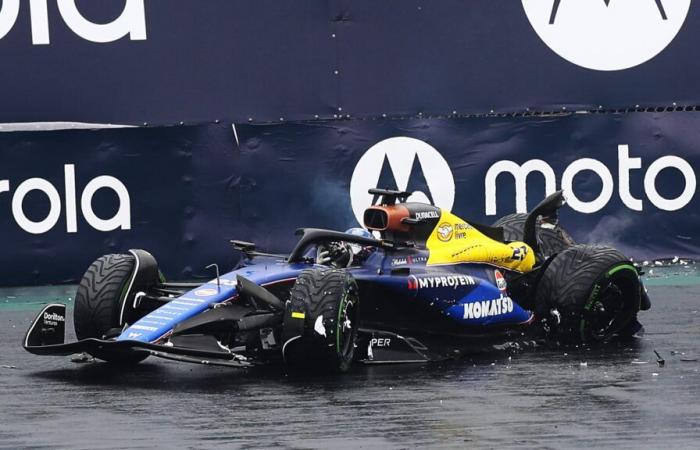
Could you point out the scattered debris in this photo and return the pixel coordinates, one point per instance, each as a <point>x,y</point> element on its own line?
<point>318,326</point>
<point>81,358</point>
<point>659,360</point>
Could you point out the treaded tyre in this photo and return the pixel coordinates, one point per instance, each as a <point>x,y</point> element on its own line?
<point>99,300</point>
<point>588,294</point>
<point>321,321</point>
<point>551,239</point>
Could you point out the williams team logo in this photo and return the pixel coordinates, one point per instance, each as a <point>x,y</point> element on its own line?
<point>406,164</point>
<point>607,34</point>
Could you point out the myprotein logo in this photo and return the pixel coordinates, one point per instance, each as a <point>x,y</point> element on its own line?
<point>406,164</point>
<point>626,164</point>
<point>607,34</point>
<point>431,282</point>
<point>120,220</point>
<point>131,22</point>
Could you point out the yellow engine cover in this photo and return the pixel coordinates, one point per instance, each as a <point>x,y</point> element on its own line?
<point>454,241</point>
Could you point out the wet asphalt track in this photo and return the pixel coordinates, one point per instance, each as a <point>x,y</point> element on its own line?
<point>617,397</point>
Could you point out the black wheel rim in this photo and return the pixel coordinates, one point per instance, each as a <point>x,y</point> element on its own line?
<point>605,311</point>
<point>347,326</point>
<point>612,307</point>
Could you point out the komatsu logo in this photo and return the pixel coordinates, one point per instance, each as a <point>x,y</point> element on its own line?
<point>607,34</point>
<point>131,22</point>
<point>488,308</point>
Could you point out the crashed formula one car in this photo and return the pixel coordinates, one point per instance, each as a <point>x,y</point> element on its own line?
<point>430,286</point>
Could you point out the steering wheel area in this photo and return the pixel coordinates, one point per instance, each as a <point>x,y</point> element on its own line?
<point>334,254</point>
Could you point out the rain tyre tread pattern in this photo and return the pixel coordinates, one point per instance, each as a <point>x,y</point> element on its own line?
<point>568,283</point>
<point>98,301</point>
<point>321,292</point>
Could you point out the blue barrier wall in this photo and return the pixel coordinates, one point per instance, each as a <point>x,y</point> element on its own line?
<point>631,179</point>
<point>333,97</point>
<point>167,61</point>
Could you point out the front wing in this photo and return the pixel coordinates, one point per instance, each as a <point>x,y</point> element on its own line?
<point>46,336</point>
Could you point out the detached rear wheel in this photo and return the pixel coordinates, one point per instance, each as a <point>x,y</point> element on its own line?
<point>321,321</point>
<point>99,301</point>
<point>588,294</point>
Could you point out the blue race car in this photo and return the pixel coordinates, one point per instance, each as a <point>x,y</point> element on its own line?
<point>429,286</point>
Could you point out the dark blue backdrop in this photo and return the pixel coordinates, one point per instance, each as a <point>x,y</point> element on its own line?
<point>192,188</point>
<point>265,60</point>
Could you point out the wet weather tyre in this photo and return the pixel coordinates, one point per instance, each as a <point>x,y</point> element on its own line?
<point>98,303</point>
<point>588,294</point>
<point>321,321</point>
<point>551,239</point>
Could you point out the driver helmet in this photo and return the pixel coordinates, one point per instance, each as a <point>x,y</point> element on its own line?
<point>356,231</point>
<point>359,232</point>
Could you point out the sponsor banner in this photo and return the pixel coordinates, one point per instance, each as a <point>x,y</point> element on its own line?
<point>167,61</point>
<point>631,179</point>
<point>67,197</point>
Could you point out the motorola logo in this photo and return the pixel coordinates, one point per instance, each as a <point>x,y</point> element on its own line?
<point>131,22</point>
<point>406,164</point>
<point>121,219</point>
<point>607,35</point>
<point>520,174</point>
